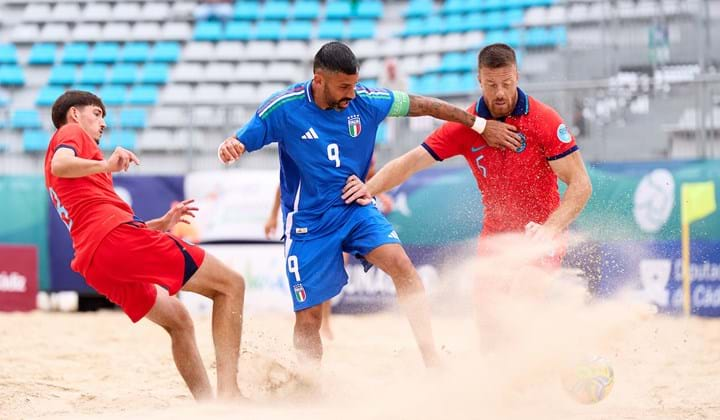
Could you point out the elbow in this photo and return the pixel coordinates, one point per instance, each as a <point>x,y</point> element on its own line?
<point>587,189</point>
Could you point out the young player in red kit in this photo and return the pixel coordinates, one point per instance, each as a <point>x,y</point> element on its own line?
<point>137,264</point>
<point>518,179</point>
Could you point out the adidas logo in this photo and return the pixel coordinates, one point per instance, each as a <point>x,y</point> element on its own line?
<point>394,235</point>
<point>310,135</point>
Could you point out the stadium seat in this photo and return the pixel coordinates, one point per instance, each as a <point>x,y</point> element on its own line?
<point>133,118</point>
<point>113,95</point>
<point>93,74</point>
<point>451,84</point>
<point>155,11</point>
<point>208,31</point>
<point>64,12</point>
<point>177,94</point>
<point>284,72</point>
<point>338,9</point>
<point>187,72</point>
<point>454,7</point>
<point>168,117</point>
<point>331,29</point>
<point>245,10</point>
<point>75,53</point>
<point>42,54</point>
<point>8,54</point>
<point>25,118</point>
<point>176,31</point>
<point>48,94</point>
<point>11,75</point>
<point>143,95</point>
<point>298,30</point>
<point>35,140</point>
<point>419,8</point>
<point>292,50</point>
<point>229,51</point>
<point>145,31</point>
<point>154,74</point>
<point>433,25</point>
<point>62,75</point>
<point>413,27</point>
<point>242,93</point>
<point>54,32</point>
<point>209,93</point>
<point>452,62</point>
<point>135,52</point>
<point>268,30</point>
<point>455,23</point>
<point>369,9</point>
<point>237,31</point>
<point>105,52</point>
<point>25,33</point>
<point>97,12</point>
<point>260,50</point>
<point>122,138</point>
<point>219,72</point>
<point>126,11</point>
<point>123,74</point>
<point>361,29</point>
<point>115,31</point>
<point>250,72</point>
<point>36,12</point>
<point>165,52</point>
<point>306,10</point>
<point>275,9</point>
<point>87,32</point>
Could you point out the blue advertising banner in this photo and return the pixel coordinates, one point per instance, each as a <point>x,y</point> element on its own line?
<point>149,196</point>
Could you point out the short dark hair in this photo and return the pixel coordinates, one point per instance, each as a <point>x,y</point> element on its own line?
<point>337,57</point>
<point>496,55</point>
<point>70,99</point>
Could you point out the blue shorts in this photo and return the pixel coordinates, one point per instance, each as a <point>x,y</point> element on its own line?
<point>314,265</point>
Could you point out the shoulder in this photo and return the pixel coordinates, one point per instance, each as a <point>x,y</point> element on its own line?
<point>543,111</point>
<point>364,93</point>
<point>284,100</point>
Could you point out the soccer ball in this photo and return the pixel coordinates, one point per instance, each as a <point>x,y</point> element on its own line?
<point>589,381</point>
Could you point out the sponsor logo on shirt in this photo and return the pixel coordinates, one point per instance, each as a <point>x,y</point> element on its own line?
<point>563,134</point>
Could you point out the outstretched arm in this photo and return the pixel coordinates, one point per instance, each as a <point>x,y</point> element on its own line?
<point>65,164</point>
<point>496,133</point>
<point>391,175</point>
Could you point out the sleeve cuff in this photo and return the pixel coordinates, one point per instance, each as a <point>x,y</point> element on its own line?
<point>65,146</point>
<point>563,154</point>
<point>432,152</point>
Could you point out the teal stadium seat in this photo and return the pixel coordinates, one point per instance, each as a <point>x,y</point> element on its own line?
<point>8,54</point>
<point>208,31</point>
<point>278,10</point>
<point>35,140</point>
<point>154,74</point>
<point>306,10</point>
<point>124,138</point>
<point>41,54</point>
<point>105,52</point>
<point>93,74</point>
<point>513,37</point>
<point>25,118</point>
<point>469,82</point>
<point>76,53</point>
<point>433,25</point>
<point>493,5</point>
<point>113,95</point>
<point>246,10</point>
<point>135,52</point>
<point>455,23</point>
<point>165,52</point>
<point>331,29</point>
<point>123,74</point>
<point>454,7</point>
<point>237,31</point>
<point>361,29</point>
<point>451,84</point>
<point>369,10</point>
<point>143,95</point>
<point>298,30</point>
<point>338,9</point>
<point>268,30</point>
<point>11,75</point>
<point>62,74</point>
<point>48,94</point>
<point>414,27</point>
<point>133,118</point>
<point>419,8</point>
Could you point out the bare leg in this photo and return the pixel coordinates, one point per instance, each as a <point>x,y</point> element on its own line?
<point>170,314</point>
<point>392,259</point>
<point>325,329</point>
<point>227,290</point>
<point>306,337</point>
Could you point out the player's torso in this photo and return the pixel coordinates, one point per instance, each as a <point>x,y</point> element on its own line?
<point>517,186</point>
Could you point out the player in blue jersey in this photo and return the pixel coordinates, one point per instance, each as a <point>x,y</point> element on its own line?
<point>325,129</point>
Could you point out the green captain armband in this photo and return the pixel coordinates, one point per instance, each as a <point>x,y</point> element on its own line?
<point>401,104</point>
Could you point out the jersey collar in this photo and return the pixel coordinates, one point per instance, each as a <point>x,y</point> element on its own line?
<point>308,91</point>
<point>522,107</point>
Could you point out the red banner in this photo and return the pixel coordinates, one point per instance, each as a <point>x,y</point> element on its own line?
<point>18,277</point>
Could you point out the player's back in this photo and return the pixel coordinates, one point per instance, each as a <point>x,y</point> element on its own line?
<point>87,205</point>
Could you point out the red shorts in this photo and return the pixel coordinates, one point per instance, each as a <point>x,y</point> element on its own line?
<point>132,259</point>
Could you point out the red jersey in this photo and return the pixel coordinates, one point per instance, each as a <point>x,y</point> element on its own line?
<point>517,186</point>
<point>88,205</point>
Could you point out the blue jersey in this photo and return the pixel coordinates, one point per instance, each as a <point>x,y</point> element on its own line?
<point>319,149</point>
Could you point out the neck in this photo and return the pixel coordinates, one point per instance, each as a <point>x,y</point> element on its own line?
<point>498,116</point>
<point>317,97</point>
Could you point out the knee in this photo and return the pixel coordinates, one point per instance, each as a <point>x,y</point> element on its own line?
<point>308,320</point>
<point>401,267</point>
<point>180,322</point>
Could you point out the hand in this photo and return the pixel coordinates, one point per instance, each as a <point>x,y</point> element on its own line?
<point>540,232</point>
<point>356,191</point>
<point>177,212</point>
<point>230,150</point>
<point>270,227</point>
<point>497,134</point>
<point>120,160</point>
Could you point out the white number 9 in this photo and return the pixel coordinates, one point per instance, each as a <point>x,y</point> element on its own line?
<point>334,153</point>
<point>292,263</point>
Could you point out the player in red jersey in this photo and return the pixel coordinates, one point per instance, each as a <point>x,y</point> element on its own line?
<point>518,180</point>
<point>137,264</point>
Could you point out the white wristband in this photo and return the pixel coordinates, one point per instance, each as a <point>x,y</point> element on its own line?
<point>479,125</point>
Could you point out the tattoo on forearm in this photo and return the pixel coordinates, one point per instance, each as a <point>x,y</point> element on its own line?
<point>422,105</point>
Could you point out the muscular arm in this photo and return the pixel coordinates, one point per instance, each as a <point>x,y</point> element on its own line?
<point>571,170</point>
<point>423,105</point>
<point>65,164</point>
